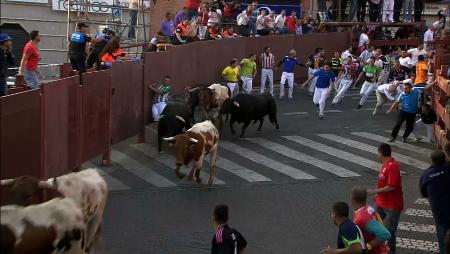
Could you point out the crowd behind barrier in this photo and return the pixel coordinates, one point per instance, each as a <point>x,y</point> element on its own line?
<point>52,130</point>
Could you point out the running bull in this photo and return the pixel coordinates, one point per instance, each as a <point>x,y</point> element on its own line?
<point>174,118</point>
<point>245,108</point>
<point>192,146</point>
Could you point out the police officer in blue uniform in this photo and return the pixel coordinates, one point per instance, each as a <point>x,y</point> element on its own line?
<point>77,47</point>
<point>94,55</point>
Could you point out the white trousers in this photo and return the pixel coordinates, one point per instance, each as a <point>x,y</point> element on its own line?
<point>342,89</point>
<point>383,78</point>
<point>202,32</point>
<point>267,74</point>
<point>232,87</point>
<point>366,89</point>
<point>290,79</point>
<point>320,97</point>
<point>312,83</point>
<point>157,108</point>
<point>428,128</point>
<point>247,84</point>
<point>388,10</point>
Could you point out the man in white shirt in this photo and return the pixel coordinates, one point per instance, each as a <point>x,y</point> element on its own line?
<point>366,55</point>
<point>347,53</point>
<point>242,22</point>
<point>280,22</point>
<point>363,39</point>
<point>405,59</point>
<point>387,92</point>
<point>428,37</point>
<point>415,53</point>
<point>269,22</point>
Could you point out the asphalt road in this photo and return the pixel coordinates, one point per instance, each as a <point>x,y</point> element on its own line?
<point>280,185</point>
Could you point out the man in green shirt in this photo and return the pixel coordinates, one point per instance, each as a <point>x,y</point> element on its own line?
<point>370,73</point>
<point>248,72</point>
<point>161,94</point>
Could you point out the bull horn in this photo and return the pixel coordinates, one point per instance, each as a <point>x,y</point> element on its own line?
<point>7,182</point>
<point>193,140</point>
<point>169,139</point>
<point>180,118</point>
<point>236,104</point>
<point>45,185</point>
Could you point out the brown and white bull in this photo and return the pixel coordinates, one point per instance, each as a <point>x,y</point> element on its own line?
<point>56,226</point>
<point>87,188</point>
<point>192,146</point>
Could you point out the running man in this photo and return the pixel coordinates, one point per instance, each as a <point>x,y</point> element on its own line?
<point>248,72</point>
<point>370,73</point>
<point>289,62</point>
<point>347,75</point>
<point>350,239</point>
<point>231,76</point>
<point>315,62</point>
<point>387,92</point>
<point>324,84</point>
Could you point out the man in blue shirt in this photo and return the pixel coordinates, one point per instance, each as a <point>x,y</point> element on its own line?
<point>410,102</point>
<point>434,185</point>
<point>289,62</point>
<point>325,78</point>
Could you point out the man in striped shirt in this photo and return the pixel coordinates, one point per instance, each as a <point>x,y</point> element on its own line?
<point>267,65</point>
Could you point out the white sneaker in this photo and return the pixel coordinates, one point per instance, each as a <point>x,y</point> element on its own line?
<point>321,116</point>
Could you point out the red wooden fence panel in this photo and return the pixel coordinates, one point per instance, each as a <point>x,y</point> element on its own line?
<point>127,116</point>
<point>95,114</point>
<point>20,134</point>
<point>61,126</point>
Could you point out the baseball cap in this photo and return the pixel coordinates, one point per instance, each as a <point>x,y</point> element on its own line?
<point>5,37</point>
<point>82,24</point>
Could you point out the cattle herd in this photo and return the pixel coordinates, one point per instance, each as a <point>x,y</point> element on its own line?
<point>64,214</point>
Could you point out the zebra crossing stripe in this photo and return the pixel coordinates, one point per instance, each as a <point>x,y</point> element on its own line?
<point>268,162</point>
<point>112,183</point>
<point>400,133</point>
<point>372,149</point>
<point>245,173</point>
<point>140,170</point>
<point>335,152</point>
<point>422,201</point>
<point>405,146</point>
<point>169,161</point>
<point>419,212</point>
<point>295,113</point>
<point>416,227</point>
<point>334,169</point>
<point>417,244</point>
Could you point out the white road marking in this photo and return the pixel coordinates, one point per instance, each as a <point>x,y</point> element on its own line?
<point>372,149</point>
<point>295,113</point>
<point>416,227</point>
<point>333,111</point>
<point>140,170</point>
<point>286,151</point>
<point>419,212</point>
<point>400,133</point>
<point>169,161</point>
<point>113,183</point>
<point>422,201</point>
<point>416,244</point>
<point>335,152</point>
<point>263,160</point>
<point>400,144</point>
<point>245,173</point>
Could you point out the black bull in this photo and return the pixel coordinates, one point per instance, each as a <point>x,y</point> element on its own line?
<point>245,108</point>
<point>174,117</point>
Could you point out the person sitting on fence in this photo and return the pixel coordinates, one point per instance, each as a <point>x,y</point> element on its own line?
<point>153,45</point>
<point>161,97</point>
<point>181,32</point>
<point>193,30</point>
<point>260,23</point>
<point>228,33</point>
<point>269,23</point>
<point>97,48</point>
<point>112,52</point>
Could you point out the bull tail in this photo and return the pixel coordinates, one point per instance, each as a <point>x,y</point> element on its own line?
<point>273,112</point>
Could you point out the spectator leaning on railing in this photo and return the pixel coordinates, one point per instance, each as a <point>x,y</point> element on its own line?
<point>243,22</point>
<point>280,21</point>
<point>291,23</point>
<point>167,26</point>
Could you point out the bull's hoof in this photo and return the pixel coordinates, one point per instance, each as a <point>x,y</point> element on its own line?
<point>210,181</point>
<point>259,129</point>
<point>199,180</point>
<point>179,175</point>
<point>278,127</point>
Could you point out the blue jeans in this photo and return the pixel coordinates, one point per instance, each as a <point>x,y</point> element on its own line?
<point>407,9</point>
<point>390,219</point>
<point>441,230</point>
<point>31,78</point>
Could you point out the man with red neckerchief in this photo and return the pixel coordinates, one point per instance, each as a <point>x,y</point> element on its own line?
<point>370,223</point>
<point>389,195</point>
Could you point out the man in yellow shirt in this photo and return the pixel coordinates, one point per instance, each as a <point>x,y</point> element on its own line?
<point>231,76</point>
<point>421,72</point>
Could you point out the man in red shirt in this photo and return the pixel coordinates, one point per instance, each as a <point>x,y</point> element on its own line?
<point>30,60</point>
<point>192,7</point>
<point>389,194</point>
<point>291,22</point>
